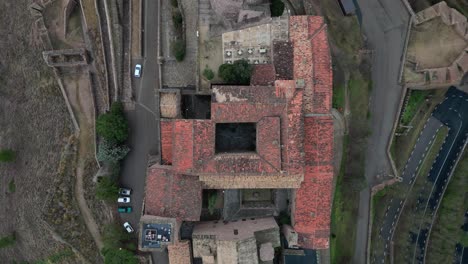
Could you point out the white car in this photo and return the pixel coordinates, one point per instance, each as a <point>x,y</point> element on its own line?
<point>123,200</point>
<point>138,70</point>
<point>128,227</point>
<point>125,191</point>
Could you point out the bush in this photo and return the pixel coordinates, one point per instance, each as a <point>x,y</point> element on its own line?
<point>177,20</point>
<point>178,49</point>
<point>208,73</point>
<point>7,155</point>
<point>113,126</point>
<point>118,256</point>
<point>112,153</point>
<point>174,3</point>
<point>237,73</point>
<point>212,202</point>
<point>8,241</point>
<point>107,189</point>
<point>113,236</point>
<point>276,8</point>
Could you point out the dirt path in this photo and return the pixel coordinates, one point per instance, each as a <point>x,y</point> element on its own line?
<point>81,98</point>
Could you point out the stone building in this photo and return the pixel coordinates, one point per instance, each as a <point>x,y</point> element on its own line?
<point>276,134</point>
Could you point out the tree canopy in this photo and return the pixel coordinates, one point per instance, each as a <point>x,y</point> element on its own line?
<point>237,73</point>
<point>113,125</point>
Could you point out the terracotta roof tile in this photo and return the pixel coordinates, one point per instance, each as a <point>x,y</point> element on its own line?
<point>263,74</point>
<point>283,60</point>
<point>172,195</point>
<point>167,130</point>
<point>180,253</point>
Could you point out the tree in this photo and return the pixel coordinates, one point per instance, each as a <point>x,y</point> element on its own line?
<point>7,155</point>
<point>113,236</point>
<point>118,256</point>
<point>113,125</point>
<point>107,189</point>
<point>208,74</point>
<point>237,73</point>
<point>276,8</point>
<point>177,20</point>
<point>178,49</point>
<point>110,152</point>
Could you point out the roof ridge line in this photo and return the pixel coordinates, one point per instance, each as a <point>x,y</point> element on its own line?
<point>324,25</point>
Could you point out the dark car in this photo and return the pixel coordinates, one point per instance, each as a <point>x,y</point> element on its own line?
<point>124,209</point>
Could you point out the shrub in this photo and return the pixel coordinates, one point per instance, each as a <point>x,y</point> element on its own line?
<point>174,3</point>
<point>208,73</point>
<point>8,241</point>
<point>237,73</point>
<point>178,49</point>
<point>7,155</point>
<point>107,189</point>
<point>113,125</point>
<point>276,8</point>
<point>177,20</point>
<point>113,236</point>
<point>118,256</point>
<point>110,152</point>
<point>212,202</point>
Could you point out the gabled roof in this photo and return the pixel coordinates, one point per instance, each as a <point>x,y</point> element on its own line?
<point>172,195</point>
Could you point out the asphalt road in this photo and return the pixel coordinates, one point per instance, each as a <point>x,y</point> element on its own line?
<point>384,23</point>
<point>393,210</point>
<point>144,121</point>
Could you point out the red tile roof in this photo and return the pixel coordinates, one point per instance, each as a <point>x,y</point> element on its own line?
<point>263,74</point>
<point>167,130</point>
<point>172,195</point>
<point>294,137</point>
<point>313,198</point>
<point>180,253</point>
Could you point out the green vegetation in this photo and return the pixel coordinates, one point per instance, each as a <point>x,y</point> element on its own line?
<point>177,19</point>
<point>416,98</point>
<point>212,198</point>
<point>58,257</point>
<point>237,73</point>
<point>8,241</point>
<point>447,231</point>
<point>117,246</point>
<point>402,145</point>
<point>276,8</point>
<point>410,220</point>
<point>338,97</point>
<point>174,3</point>
<point>7,155</point>
<point>113,125</point>
<point>112,153</point>
<point>107,189</point>
<point>12,186</point>
<point>208,74</point>
<point>178,49</point>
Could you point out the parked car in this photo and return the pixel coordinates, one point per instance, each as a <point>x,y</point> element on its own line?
<point>123,200</point>
<point>138,70</point>
<point>128,227</point>
<point>125,191</point>
<point>124,209</point>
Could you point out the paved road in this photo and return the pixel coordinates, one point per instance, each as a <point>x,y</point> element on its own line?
<point>393,210</point>
<point>384,22</point>
<point>143,121</point>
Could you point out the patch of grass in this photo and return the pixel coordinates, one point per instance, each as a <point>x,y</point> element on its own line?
<point>416,98</point>
<point>7,155</point>
<point>8,241</point>
<point>446,231</point>
<point>338,101</point>
<point>11,186</point>
<point>58,257</point>
<point>178,49</point>
<point>403,145</point>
